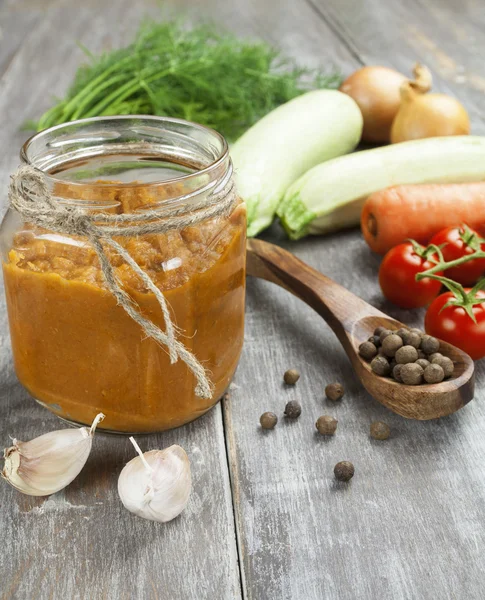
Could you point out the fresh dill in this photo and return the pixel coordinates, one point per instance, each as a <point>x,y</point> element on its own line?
<point>198,74</point>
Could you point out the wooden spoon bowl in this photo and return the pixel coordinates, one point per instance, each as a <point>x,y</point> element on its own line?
<point>353,321</point>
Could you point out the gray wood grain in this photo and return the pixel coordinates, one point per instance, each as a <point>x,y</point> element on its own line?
<point>410,523</point>
<point>16,22</point>
<point>81,543</point>
<point>446,36</point>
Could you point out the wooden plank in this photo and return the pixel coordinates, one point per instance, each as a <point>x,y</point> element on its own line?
<point>82,543</point>
<point>300,535</point>
<point>444,36</point>
<point>293,28</point>
<point>409,525</point>
<point>27,88</point>
<point>16,21</point>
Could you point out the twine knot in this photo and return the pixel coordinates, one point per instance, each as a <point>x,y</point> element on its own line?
<point>30,196</point>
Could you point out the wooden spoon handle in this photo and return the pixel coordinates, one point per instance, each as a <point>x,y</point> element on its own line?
<point>339,307</point>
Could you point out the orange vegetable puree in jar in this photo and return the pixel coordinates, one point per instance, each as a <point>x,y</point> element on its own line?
<point>79,353</point>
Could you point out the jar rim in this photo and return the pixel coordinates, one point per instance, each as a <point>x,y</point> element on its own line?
<point>222,156</point>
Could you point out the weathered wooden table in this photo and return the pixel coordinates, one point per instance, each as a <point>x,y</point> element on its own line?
<point>266,519</point>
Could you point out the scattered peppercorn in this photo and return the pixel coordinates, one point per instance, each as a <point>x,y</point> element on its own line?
<point>367,350</point>
<point>344,471</point>
<point>374,339</point>
<point>380,430</point>
<point>384,334</point>
<point>380,366</point>
<point>431,357</point>
<point>411,374</point>
<point>391,344</point>
<point>379,330</point>
<point>411,338</point>
<point>416,330</point>
<point>422,354</point>
<point>406,354</point>
<point>293,409</point>
<point>402,332</point>
<point>445,363</point>
<point>291,376</point>
<point>423,363</point>
<point>326,425</point>
<point>434,373</point>
<point>429,344</point>
<point>334,391</point>
<point>268,420</point>
<point>396,372</point>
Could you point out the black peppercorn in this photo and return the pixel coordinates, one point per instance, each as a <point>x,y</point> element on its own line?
<point>396,372</point>
<point>406,354</point>
<point>434,373</point>
<point>416,330</point>
<point>334,391</point>
<point>268,420</point>
<point>380,366</point>
<point>379,430</point>
<point>412,338</point>
<point>391,344</point>
<point>429,344</point>
<point>379,330</point>
<point>411,374</point>
<point>384,334</point>
<point>367,350</point>
<point>344,471</point>
<point>445,363</point>
<point>291,376</point>
<point>326,425</point>
<point>423,363</point>
<point>293,409</point>
<point>374,339</point>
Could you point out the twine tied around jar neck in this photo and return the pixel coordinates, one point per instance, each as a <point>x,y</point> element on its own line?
<point>30,196</point>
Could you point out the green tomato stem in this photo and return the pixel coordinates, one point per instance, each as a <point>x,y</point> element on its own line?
<point>444,266</point>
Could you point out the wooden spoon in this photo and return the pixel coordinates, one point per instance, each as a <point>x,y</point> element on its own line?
<point>353,321</point>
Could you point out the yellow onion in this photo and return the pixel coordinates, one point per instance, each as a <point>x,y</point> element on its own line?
<point>424,115</point>
<point>376,90</point>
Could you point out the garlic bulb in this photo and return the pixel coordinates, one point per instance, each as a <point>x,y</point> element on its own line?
<point>49,462</point>
<point>156,485</point>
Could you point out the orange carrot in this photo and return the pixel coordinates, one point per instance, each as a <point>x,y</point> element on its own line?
<point>398,213</point>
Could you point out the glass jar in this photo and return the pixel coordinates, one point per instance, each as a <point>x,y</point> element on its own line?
<point>76,351</point>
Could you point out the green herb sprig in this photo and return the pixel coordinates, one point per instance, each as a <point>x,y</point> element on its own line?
<point>199,74</point>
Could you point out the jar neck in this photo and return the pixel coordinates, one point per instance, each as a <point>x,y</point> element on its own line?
<point>127,163</point>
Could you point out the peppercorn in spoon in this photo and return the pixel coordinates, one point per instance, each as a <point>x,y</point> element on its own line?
<point>354,321</point>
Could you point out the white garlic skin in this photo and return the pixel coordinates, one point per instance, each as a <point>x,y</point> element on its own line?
<point>160,492</point>
<point>50,462</point>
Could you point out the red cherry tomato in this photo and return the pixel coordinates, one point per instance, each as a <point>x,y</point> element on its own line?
<point>397,277</point>
<point>456,240</point>
<point>454,325</point>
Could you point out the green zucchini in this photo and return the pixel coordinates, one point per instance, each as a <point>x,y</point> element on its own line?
<point>284,144</point>
<point>330,196</point>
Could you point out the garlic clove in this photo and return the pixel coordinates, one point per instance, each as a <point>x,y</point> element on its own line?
<point>49,462</point>
<point>156,485</point>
